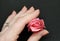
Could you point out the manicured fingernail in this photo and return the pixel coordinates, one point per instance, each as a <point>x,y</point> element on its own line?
<point>32,7</point>
<point>24,7</point>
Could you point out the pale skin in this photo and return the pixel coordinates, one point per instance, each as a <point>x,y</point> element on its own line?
<point>16,23</point>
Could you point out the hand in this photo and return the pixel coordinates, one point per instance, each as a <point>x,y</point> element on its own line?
<point>15,23</point>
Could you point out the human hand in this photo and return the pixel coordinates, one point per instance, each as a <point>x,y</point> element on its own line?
<point>15,24</point>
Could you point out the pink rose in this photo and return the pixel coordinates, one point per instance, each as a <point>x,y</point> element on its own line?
<point>36,25</point>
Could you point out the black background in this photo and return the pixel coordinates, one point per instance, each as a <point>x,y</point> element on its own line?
<point>50,12</point>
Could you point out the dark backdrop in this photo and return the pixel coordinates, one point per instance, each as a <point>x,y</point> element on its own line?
<point>50,12</point>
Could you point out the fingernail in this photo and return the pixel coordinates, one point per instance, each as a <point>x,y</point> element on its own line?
<point>24,7</point>
<point>32,7</point>
<point>45,32</point>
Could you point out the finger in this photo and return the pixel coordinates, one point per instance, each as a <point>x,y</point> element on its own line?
<point>26,19</point>
<point>24,9</point>
<point>20,14</point>
<point>9,19</point>
<point>28,12</point>
<point>38,35</point>
<point>31,16</point>
<point>19,25</point>
<point>17,28</point>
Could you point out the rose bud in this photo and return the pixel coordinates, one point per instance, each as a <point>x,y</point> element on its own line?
<point>36,25</point>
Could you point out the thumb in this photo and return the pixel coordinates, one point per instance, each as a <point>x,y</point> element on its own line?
<point>38,35</point>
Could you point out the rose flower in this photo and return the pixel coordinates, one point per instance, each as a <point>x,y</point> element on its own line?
<point>36,25</point>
